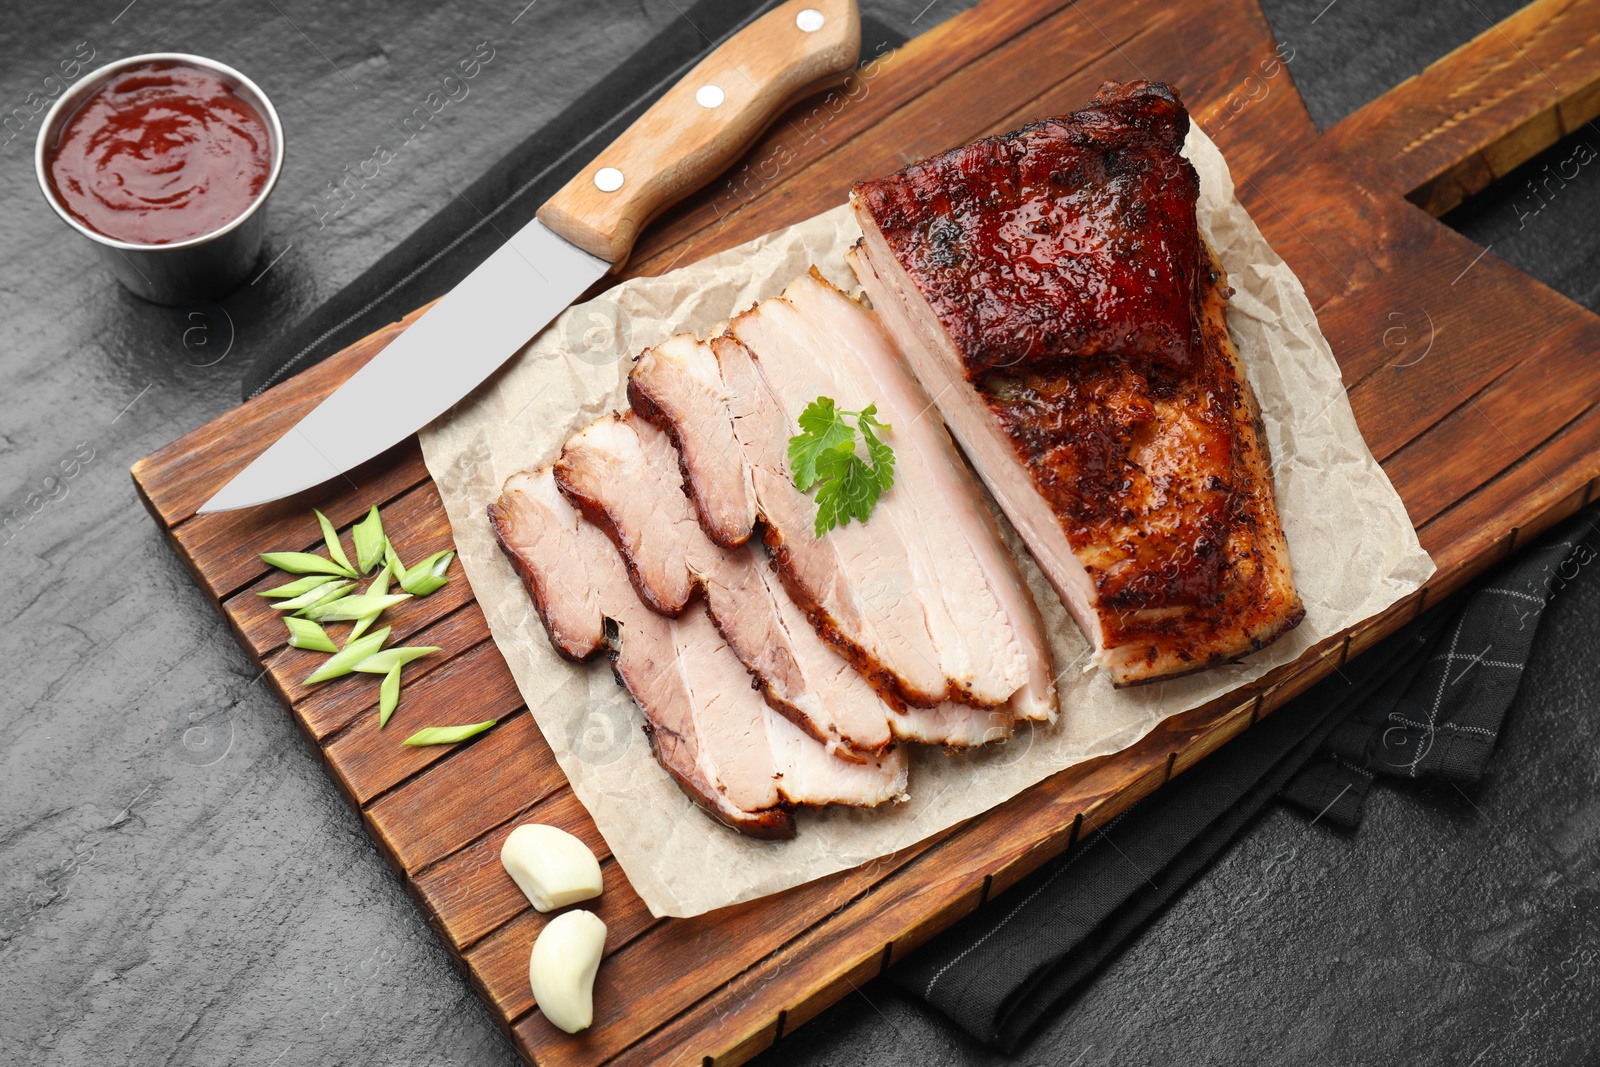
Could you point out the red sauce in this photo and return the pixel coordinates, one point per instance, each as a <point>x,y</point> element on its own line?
<point>161,153</point>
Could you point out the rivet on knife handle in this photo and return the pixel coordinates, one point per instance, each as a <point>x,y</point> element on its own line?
<point>703,123</point>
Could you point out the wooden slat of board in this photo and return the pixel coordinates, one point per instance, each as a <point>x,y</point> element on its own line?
<point>1259,115</point>
<point>1497,427</point>
<point>329,707</point>
<point>1299,213</point>
<point>727,984</point>
<point>1225,724</point>
<point>472,687</point>
<point>1431,359</point>
<point>1386,323</point>
<point>508,769</point>
<point>1488,106</point>
<point>1555,480</point>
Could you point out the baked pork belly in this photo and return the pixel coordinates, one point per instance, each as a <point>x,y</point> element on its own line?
<point>923,598</point>
<point>1052,291</point>
<point>737,758</point>
<point>623,474</point>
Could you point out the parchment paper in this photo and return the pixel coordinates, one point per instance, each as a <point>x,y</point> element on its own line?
<point>1353,549</point>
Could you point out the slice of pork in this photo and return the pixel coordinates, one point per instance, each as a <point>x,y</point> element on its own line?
<point>623,474</point>
<point>932,356</point>
<point>1133,640</point>
<point>923,598</point>
<point>677,386</point>
<point>729,751</point>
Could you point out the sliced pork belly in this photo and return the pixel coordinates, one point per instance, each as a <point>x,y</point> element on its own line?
<point>923,597</point>
<point>1052,291</point>
<point>953,725</point>
<point>534,523</point>
<point>731,753</point>
<point>623,473</point>
<point>754,748</point>
<point>677,386</point>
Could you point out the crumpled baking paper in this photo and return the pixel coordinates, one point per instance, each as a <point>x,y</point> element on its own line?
<point>1353,548</point>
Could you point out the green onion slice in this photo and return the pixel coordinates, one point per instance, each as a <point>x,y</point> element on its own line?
<point>379,586</point>
<point>303,633</point>
<point>388,695</point>
<point>320,595</point>
<point>447,735</point>
<point>391,658</point>
<point>305,563</point>
<point>343,662</point>
<point>429,575</point>
<point>369,539</point>
<point>298,586</point>
<point>391,558</point>
<point>330,537</point>
<point>351,608</point>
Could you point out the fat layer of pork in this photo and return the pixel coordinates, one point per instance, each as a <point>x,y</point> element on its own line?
<point>735,756</point>
<point>923,598</point>
<point>622,473</point>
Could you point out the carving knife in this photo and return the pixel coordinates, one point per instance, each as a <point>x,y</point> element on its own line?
<point>587,228</point>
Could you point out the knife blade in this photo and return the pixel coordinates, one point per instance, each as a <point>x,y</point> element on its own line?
<point>698,127</point>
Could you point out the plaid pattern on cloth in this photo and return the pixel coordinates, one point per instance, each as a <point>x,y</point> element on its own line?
<point>1440,717</point>
<point>1429,700</point>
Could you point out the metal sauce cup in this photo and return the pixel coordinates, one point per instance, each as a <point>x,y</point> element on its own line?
<point>183,272</point>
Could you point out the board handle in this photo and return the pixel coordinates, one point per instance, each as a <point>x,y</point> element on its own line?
<point>1480,112</point>
<point>704,122</point>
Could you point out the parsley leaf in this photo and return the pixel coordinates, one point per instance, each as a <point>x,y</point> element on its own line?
<point>824,455</point>
<point>823,428</point>
<point>881,454</point>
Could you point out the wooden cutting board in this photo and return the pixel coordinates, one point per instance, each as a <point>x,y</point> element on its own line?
<point>1474,385</point>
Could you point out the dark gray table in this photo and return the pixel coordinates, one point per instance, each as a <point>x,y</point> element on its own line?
<point>181,883</point>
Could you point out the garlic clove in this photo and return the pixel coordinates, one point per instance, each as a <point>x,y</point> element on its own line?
<point>561,968</point>
<point>550,866</point>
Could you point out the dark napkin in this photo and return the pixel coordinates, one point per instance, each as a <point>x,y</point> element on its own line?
<point>1441,717</point>
<point>1428,700</point>
<point>448,246</point>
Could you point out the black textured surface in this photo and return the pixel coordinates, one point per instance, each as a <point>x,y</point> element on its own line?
<point>181,884</point>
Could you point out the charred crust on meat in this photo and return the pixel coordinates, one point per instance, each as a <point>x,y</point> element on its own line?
<point>601,517</point>
<point>1064,264</point>
<point>1022,203</point>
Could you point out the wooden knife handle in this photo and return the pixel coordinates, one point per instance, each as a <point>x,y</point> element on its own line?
<point>704,123</point>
